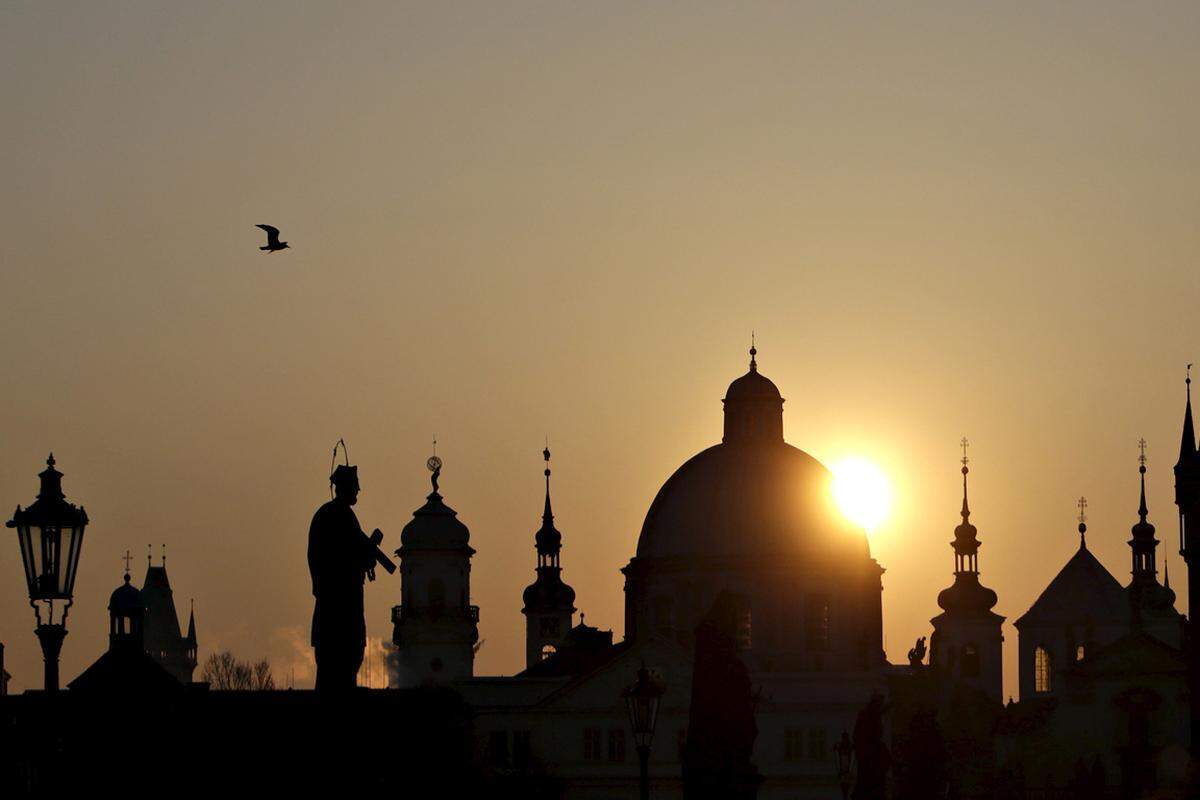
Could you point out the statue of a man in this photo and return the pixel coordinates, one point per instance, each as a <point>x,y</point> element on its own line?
<point>340,556</point>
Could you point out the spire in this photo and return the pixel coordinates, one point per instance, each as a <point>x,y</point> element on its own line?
<point>753,353</point>
<point>966,543</point>
<point>547,514</point>
<point>1187,443</point>
<point>547,541</point>
<point>191,634</point>
<point>1143,544</point>
<point>1082,504</point>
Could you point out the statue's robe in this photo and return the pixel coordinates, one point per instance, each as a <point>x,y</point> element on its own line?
<point>339,555</point>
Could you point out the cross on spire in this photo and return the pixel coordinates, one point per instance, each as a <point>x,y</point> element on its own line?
<point>127,558</point>
<point>1082,504</point>
<point>964,444</point>
<point>1142,453</point>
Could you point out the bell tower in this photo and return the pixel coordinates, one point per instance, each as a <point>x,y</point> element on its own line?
<point>549,603</point>
<point>967,641</point>
<point>435,627</point>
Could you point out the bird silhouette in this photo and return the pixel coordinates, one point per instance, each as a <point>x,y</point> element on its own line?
<point>273,242</point>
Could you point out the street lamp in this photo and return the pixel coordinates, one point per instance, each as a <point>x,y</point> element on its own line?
<point>845,757</point>
<point>50,532</point>
<point>642,701</point>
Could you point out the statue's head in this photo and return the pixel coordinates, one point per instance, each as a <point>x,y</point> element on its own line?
<point>345,484</point>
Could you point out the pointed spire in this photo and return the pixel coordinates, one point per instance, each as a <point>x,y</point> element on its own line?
<point>1082,504</point>
<point>191,634</point>
<point>1142,510</point>
<point>966,511</point>
<point>753,354</point>
<point>1187,443</point>
<point>547,514</point>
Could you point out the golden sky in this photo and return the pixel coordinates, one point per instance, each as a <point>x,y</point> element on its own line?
<point>513,220</point>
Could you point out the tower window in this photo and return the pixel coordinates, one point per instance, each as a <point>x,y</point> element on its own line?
<point>437,594</point>
<point>547,651</point>
<point>970,661</point>
<point>1079,653</point>
<point>1041,670</point>
<point>549,626</point>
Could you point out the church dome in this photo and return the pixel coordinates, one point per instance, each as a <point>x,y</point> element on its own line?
<point>732,500</point>
<point>753,494</point>
<point>435,526</point>
<point>548,591</point>
<point>125,598</point>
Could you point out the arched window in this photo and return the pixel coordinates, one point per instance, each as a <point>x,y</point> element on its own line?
<point>1041,670</point>
<point>970,661</point>
<point>547,651</point>
<point>1079,653</point>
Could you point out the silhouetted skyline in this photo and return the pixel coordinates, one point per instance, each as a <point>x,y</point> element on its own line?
<point>521,221</point>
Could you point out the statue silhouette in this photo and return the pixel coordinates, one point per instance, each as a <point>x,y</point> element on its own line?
<point>721,728</point>
<point>870,752</point>
<point>340,556</point>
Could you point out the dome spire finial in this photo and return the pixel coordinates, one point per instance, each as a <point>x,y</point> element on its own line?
<point>753,353</point>
<point>1082,504</point>
<point>1142,510</point>
<point>434,465</point>
<point>964,444</point>
<point>547,514</point>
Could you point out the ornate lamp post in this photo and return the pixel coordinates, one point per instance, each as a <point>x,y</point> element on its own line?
<point>642,701</point>
<point>845,757</point>
<point>50,532</point>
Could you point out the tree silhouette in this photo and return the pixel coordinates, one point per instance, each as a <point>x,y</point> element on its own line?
<point>222,671</point>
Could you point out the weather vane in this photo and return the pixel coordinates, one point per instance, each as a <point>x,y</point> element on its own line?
<point>434,465</point>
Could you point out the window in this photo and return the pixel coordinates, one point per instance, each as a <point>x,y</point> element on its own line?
<point>616,744</point>
<point>816,745</point>
<point>1079,653</point>
<point>591,744</point>
<point>522,749</point>
<point>663,614</point>
<point>793,744</point>
<point>816,622</point>
<point>547,651</point>
<point>549,626</point>
<point>970,661</point>
<point>498,748</point>
<point>1041,670</point>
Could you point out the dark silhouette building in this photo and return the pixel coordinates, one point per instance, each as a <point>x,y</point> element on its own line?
<point>164,641</point>
<point>967,642</point>
<point>549,603</point>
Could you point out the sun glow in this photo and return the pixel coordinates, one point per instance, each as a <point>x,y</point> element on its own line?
<point>862,492</point>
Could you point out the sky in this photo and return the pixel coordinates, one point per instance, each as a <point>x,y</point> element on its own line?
<point>514,221</point>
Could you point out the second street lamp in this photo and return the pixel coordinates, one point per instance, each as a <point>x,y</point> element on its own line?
<point>642,700</point>
<point>50,532</point>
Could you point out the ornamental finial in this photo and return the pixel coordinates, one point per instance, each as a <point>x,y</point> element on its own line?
<point>753,353</point>
<point>1082,503</point>
<point>434,465</point>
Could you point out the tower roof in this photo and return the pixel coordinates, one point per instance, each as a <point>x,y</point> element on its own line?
<point>1082,588</point>
<point>548,591</point>
<point>753,407</point>
<point>1187,441</point>
<point>435,526</point>
<point>547,540</point>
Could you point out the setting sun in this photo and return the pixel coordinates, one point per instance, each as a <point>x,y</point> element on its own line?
<point>862,492</point>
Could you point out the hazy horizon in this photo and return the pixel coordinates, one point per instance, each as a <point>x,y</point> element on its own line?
<point>525,220</point>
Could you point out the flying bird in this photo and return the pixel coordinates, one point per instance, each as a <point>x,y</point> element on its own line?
<point>273,242</point>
